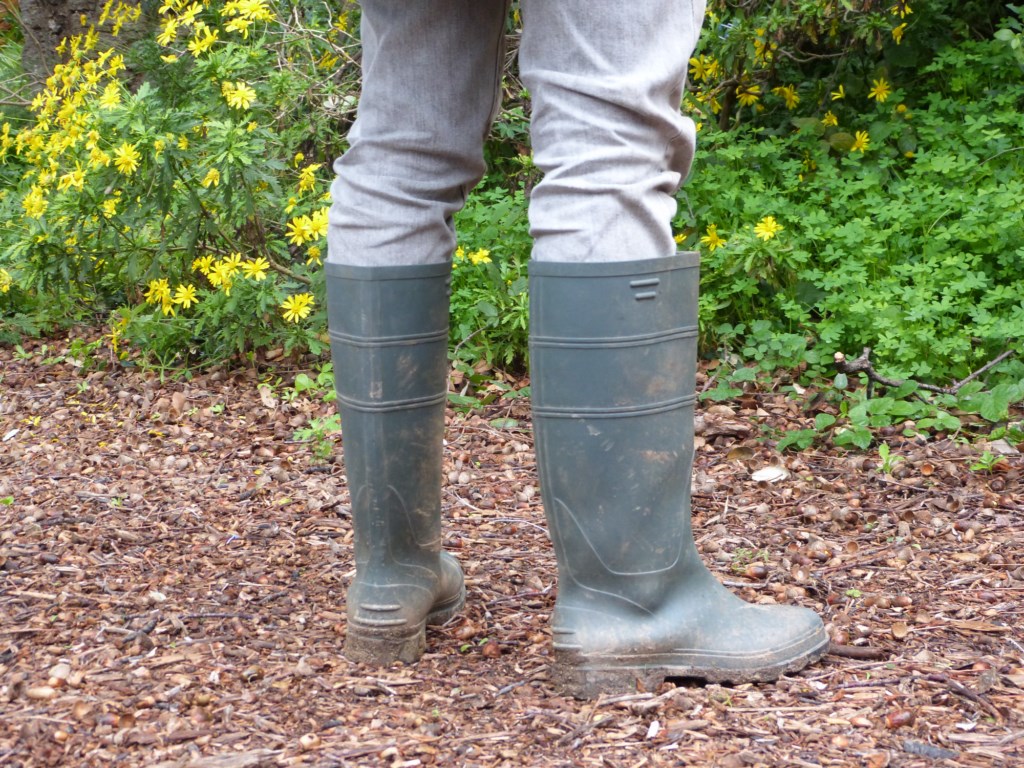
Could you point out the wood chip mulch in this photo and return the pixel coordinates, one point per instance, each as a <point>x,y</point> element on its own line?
<point>173,565</point>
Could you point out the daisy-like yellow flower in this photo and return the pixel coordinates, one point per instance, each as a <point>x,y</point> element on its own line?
<point>297,307</point>
<point>300,230</point>
<point>185,295</point>
<point>211,179</point>
<point>897,33</point>
<point>5,280</point>
<point>202,40</point>
<point>126,159</point>
<point>158,292</point>
<point>839,93</point>
<point>239,95</point>
<point>829,120</point>
<point>35,202</point>
<point>307,177</point>
<point>861,141</point>
<point>789,94</point>
<point>313,255</point>
<point>232,264</point>
<point>111,96</point>
<point>256,269</point>
<point>880,90</point>
<point>75,178</point>
<point>712,239</point>
<point>767,228</point>
<point>109,207</point>
<point>203,264</point>
<point>480,256</point>
<point>748,95</point>
<point>319,221</point>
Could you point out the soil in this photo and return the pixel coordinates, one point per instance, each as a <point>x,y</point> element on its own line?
<point>173,566</point>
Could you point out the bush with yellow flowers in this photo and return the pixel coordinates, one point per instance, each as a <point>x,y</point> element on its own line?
<point>183,182</point>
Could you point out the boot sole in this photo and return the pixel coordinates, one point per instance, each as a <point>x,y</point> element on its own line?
<point>574,674</point>
<point>381,646</point>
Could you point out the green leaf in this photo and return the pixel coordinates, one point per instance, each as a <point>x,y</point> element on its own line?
<point>823,421</point>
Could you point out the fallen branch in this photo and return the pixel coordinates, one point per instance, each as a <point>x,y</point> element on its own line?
<point>863,364</point>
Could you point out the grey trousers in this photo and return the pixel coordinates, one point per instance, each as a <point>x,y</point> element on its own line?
<point>605,79</point>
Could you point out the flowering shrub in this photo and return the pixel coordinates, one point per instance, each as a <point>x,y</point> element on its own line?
<point>196,201</point>
<point>856,167</point>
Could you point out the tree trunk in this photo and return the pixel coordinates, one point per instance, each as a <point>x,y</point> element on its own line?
<point>44,24</point>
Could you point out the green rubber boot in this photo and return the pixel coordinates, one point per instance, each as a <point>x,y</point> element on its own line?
<point>389,342</point>
<point>613,357</point>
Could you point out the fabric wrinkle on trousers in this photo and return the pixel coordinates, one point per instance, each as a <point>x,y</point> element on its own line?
<point>605,80</point>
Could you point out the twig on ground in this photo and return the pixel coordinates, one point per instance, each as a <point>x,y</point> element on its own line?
<point>863,364</point>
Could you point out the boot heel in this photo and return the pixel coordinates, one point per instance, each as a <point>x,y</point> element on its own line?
<point>380,649</point>
<point>573,677</point>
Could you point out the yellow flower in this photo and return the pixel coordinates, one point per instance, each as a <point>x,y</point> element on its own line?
<point>679,237</point>
<point>256,269</point>
<point>232,264</point>
<point>897,32</point>
<point>212,178</point>
<point>169,32</point>
<point>75,178</point>
<point>320,223</point>
<point>788,92</point>
<point>169,58</point>
<point>712,239</point>
<point>203,264</point>
<point>109,207</point>
<point>703,68</point>
<point>901,9</point>
<point>767,228</point>
<point>126,158</point>
<point>299,157</point>
<point>880,90</point>
<point>307,177</point>
<point>860,142</point>
<point>480,256</point>
<point>185,295</point>
<point>239,95</point>
<point>35,203</point>
<point>460,253</point>
<point>296,307</point>
<point>300,230</point>
<point>183,142</point>
<point>748,94</point>
<point>313,255</point>
<point>159,292</point>
<point>829,119</point>
<point>5,280</point>
<point>203,40</point>
<point>111,97</point>
<point>839,93</point>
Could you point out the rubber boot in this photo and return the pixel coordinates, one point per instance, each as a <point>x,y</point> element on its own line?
<point>389,342</point>
<point>613,357</point>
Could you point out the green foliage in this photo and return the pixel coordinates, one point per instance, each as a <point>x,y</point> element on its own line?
<point>489,282</point>
<point>908,247</point>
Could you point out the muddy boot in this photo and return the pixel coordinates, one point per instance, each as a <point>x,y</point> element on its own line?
<point>613,357</point>
<point>389,341</point>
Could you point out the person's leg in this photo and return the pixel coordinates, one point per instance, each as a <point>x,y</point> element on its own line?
<point>431,87</point>
<point>606,81</point>
<point>613,326</point>
<point>431,76</point>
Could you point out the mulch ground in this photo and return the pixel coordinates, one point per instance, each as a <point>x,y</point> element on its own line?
<point>173,565</point>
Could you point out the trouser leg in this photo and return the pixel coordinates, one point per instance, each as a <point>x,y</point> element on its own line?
<point>606,81</point>
<point>431,86</point>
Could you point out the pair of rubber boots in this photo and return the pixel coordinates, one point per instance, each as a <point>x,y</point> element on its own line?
<point>613,357</point>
